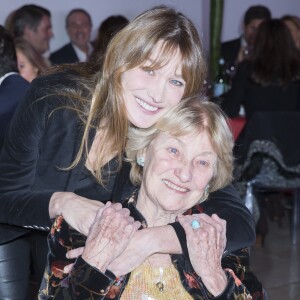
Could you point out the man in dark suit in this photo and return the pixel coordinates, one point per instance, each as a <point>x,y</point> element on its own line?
<point>12,85</point>
<point>235,51</point>
<point>79,27</point>
<point>33,23</point>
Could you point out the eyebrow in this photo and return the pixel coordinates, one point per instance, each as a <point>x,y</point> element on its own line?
<point>152,61</point>
<point>206,153</point>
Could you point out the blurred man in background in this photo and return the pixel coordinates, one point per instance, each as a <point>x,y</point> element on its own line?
<point>33,23</point>
<point>235,51</point>
<point>79,27</point>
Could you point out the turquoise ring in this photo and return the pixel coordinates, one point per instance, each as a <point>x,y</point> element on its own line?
<point>195,224</point>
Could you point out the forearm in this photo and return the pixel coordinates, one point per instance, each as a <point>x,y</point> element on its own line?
<point>227,205</point>
<point>161,239</point>
<point>57,203</point>
<point>25,209</point>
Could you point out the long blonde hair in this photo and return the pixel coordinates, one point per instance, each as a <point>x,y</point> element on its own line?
<point>130,48</point>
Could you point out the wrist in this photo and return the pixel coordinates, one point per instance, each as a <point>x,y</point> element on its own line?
<point>94,261</point>
<point>163,240</point>
<point>149,240</point>
<point>217,283</point>
<point>54,205</point>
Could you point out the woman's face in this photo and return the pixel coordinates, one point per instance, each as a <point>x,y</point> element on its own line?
<point>177,170</point>
<point>26,69</point>
<point>148,94</point>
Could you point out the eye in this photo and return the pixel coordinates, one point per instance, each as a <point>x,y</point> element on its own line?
<point>173,150</point>
<point>177,83</point>
<point>150,72</point>
<point>203,163</point>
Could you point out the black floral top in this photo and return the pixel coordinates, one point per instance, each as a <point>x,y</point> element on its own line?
<point>87,282</point>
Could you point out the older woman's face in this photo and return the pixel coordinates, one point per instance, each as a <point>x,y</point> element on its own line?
<point>177,170</point>
<point>148,94</point>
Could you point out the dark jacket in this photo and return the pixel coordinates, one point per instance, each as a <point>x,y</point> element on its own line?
<point>86,282</point>
<point>256,97</point>
<point>230,50</point>
<point>64,55</point>
<point>12,91</point>
<point>39,143</point>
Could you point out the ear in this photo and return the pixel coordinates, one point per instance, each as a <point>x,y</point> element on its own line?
<point>27,34</point>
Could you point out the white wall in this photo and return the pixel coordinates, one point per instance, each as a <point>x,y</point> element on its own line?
<point>197,10</point>
<point>234,12</point>
<point>99,10</point>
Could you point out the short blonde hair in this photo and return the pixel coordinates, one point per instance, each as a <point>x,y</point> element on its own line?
<point>189,116</point>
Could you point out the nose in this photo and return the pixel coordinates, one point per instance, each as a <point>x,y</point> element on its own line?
<point>184,171</point>
<point>156,91</point>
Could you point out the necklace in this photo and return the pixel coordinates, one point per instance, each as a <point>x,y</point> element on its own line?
<point>160,284</point>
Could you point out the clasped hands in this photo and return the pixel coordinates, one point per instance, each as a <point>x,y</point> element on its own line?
<point>114,243</point>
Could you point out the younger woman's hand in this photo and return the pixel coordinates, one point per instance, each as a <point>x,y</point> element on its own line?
<point>78,211</point>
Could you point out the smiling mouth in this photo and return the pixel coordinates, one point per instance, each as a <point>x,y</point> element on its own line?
<point>146,106</point>
<point>174,186</point>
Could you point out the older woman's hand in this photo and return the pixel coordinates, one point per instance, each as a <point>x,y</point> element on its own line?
<point>206,246</point>
<point>109,235</point>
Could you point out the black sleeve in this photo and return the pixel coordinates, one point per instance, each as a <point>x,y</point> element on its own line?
<point>18,165</point>
<point>228,206</point>
<point>41,140</point>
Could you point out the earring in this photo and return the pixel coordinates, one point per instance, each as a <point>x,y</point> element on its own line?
<point>140,160</point>
<point>206,189</point>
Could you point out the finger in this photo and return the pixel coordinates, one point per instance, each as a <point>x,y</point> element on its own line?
<point>220,221</point>
<point>117,206</point>
<point>68,268</point>
<point>216,222</point>
<point>223,232</point>
<point>74,253</point>
<point>185,222</point>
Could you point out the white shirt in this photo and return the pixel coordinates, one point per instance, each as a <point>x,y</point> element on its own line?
<point>81,54</point>
<point>6,75</point>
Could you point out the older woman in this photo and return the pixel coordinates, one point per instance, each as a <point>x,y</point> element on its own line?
<point>182,158</point>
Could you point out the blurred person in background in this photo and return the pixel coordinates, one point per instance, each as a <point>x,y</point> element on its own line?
<point>107,29</point>
<point>30,62</point>
<point>293,23</point>
<point>79,27</point>
<point>13,273</point>
<point>33,23</point>
<point>269,81</point>
<point>237,50</point>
